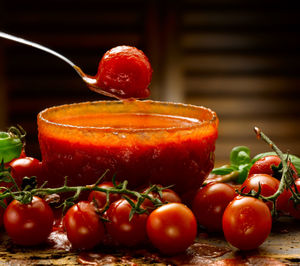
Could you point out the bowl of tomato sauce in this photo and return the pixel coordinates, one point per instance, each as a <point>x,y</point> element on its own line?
<point>143,142</point>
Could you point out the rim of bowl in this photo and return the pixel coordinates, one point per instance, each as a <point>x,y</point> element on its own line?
<point>213,120</point>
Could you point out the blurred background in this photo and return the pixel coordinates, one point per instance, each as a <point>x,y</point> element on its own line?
<point>239,58</point>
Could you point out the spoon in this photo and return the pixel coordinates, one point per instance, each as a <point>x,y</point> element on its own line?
<point>90,81</point>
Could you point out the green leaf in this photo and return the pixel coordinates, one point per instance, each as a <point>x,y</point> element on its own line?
<point>223,170</point>
<point>240,155</point>
<point>11,144</point>
<point>243,173</point>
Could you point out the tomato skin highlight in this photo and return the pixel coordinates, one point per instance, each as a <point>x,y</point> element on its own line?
<point>209,204</point>
<point>100,197</point>
<point>26,167</point>
<point>247,222</point>
<point>172,228</point>
<point>268,185</point>
<point>265,164</point>
<point>167,196</point>
<point>83,225</point>
<point>125,72</point>
<point>28,224</point>
<point>123,231</point>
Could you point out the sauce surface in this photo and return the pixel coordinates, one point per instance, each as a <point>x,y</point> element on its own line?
<point>130,121</point>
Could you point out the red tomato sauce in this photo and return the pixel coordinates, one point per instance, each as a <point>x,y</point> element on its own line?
<point>181,159</point>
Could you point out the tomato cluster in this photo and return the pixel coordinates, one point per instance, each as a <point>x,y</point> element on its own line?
<point>114,218</point>
<point>26,224</point>
<point>170,228</point>
<point>245,220</point>
<point>104,217</point>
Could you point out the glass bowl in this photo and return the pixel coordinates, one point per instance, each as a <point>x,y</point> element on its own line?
<point>144,142</point>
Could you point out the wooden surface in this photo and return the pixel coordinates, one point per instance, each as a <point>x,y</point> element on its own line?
<point>281,248</point>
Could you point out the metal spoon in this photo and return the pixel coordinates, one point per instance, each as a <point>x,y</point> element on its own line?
<point>90,81</point>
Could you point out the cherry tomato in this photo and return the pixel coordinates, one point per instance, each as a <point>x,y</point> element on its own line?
<point>172,228</point>
<point>123,231</point>
<point>268,185</point>
<point>83,225</point>
<point>28,224</point>
<point>282,202</point>
<point>26,167</point>
<point>167,196</point>
<point>100,197</point>
<point>125,72</point>
<point>291,208</point>
<point>266,165</point>
<point>23,154</point>
<point>247,222</point>
<point>209,204</point>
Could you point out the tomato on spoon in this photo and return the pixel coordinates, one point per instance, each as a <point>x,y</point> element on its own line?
<point>124,72</point>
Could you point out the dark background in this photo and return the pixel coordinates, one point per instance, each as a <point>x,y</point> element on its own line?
<point>240,58</point>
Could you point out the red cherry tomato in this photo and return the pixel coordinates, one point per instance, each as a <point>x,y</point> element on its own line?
<point>28,224</point>
<point>268,185</point>
<point>100,197</point>
<point>282,202</point>
<point>167,196</point>
<point>26,167</point>
<point>172,228</point>
<point>123,231</point>
<point>83,225</point>
<point>209,204</point>
<point>125,72</point>
<point>291,208</point>
<point>23,154</point>
<point>247,222</point>
<point>266,165</point>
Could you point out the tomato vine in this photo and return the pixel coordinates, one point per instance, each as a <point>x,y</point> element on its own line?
<point>30,189</point>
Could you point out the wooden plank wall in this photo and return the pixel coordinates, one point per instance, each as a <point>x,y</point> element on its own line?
<point>240,58</point>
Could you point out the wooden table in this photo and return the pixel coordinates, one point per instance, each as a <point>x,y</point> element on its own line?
<point>281,248</point>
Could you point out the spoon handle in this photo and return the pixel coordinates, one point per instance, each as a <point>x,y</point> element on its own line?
<point>41,47</point>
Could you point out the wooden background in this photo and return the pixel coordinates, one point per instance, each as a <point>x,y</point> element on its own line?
<point>240,58</point>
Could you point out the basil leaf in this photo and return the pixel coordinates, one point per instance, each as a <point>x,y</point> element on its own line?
<point>222,170</point>
<point>240,155</point>
<point>243,173</point>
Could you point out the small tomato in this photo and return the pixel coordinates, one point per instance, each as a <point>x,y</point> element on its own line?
<point>28,224</point>
<point>172,228</point>
<point>247,222</point>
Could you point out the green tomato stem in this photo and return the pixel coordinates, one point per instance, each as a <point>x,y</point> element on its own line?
<point>25,197</point>
<point>286,178</point>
